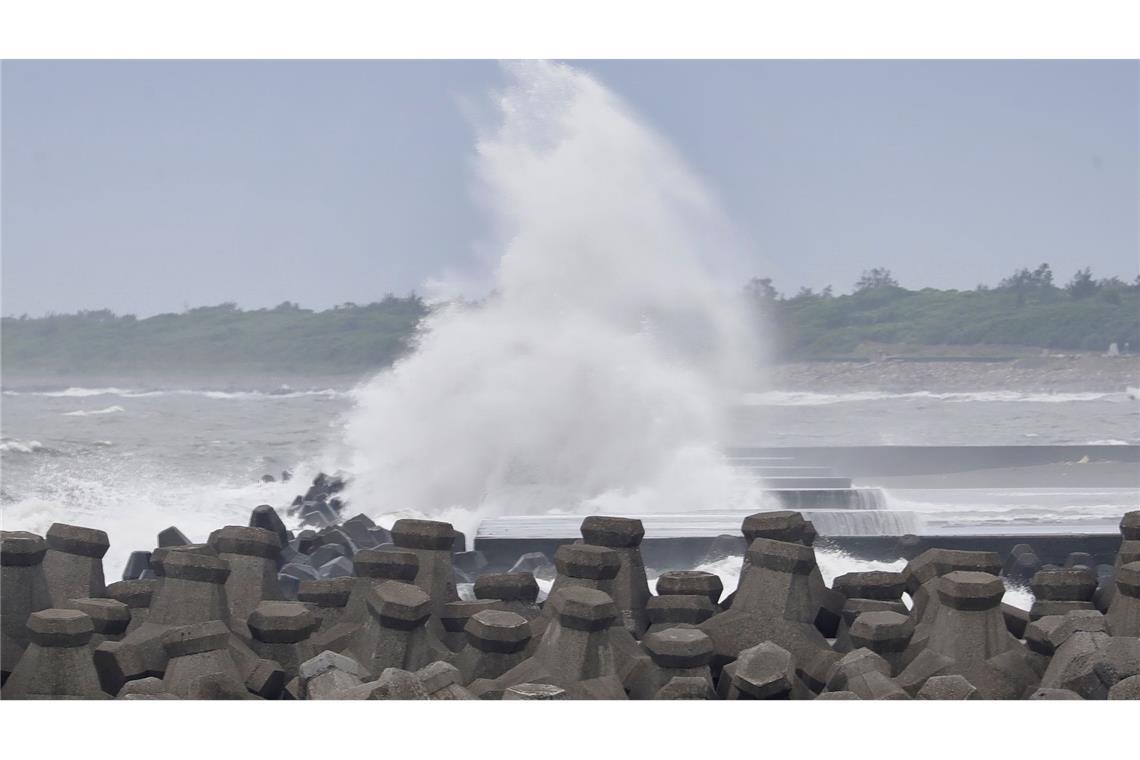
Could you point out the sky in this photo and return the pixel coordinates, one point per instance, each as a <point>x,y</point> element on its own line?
<point>154,186</point>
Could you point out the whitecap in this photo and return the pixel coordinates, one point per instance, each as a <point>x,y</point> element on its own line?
<point>251,395</point>
<point>91,412</point>
<point>811,398</point>
<point>14,446</point>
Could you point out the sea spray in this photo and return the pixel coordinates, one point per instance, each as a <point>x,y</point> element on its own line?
<point>596,375</point>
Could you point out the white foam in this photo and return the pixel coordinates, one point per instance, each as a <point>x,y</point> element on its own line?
<point>71,392</point>
<point>132,504</point>
<point>91,412</point>
<point>596,375</point>
<point>831,565</point>
<point>254,395</point>
<point>13,446</point>
<point>809,398</point>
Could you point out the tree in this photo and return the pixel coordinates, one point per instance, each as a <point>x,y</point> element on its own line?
<point>872,279</point>
<point>1039,282</point>
<point>761,290</point>
<point>1082,285</point>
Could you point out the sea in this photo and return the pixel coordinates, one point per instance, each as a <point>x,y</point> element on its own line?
<point>133,459</point>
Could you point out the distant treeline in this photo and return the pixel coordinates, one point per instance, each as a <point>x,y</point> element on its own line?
<point>1025,309</point>
<point>286,338</point>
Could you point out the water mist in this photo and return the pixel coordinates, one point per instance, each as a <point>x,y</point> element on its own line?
<point>597,374</point>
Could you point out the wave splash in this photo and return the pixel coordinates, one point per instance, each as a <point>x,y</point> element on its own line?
<point>596,375</point>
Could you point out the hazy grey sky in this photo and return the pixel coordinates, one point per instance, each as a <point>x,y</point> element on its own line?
<point>148,186</point>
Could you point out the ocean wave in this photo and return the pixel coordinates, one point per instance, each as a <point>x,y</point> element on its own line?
<point>72,392</point>
<point>272,395</point>
<point>283,393</point>
<point>13,446</point>
<point>132,503</point>
<point>810,398</point>
<point>91,412</point>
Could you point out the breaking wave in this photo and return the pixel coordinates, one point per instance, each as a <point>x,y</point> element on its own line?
<point>808,398</point>
<point>597,374</point>
<point>253,395</point>
<point>13,446</point>
<point>92,412</point>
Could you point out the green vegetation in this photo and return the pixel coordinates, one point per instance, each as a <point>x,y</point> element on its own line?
<point>215,338</point>
<point>1025,309</point>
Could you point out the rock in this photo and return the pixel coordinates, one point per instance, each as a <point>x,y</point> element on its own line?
<point>73,563</point>
<point>192,591</point>
<point>306,542</point>
<point>887,634</point>
<point>880,585</point>
<point>690,582</point>
<point>674,653</point>
<point>1056,592</point>
<point>395,635</point>
<point>535,691</point>
<point>1051,694</point>
<point>953,687</point>
<point>1016,619</point>
<point>281,632</point>
<point>329,675</point>
<point>341,567</point>
<point>471,563</point>
<point>968,637</point>
<point>172,537</point>
<point>1021,564</point>
<point>455,618</point>
<point>517,591</point>
<point>1080,559</point>
<point>782,525</point>
<point>535,563</point>
<point>683,687</point>
<point>441,681</point>
<point>201,650</point>
<point>137,564</point>
<point>575,653</point>
<point>327,599</point>
<point>251,555</point>
<point>145,688</point>
<point>630,588</point>
<point>266,518</point>
<point>393,683</point>
<point>765,671</point>
<point>431,542</point>
<point>109,618</point>
<point>773,603</point>
<point>24,591</point>
<point>496,642</point>
<point>1126,688</point>
<point>724,547</point>
<point>867,675</point>
<point>1123,618</point>
<point>669,611</point>
<point>57,662</point>
<point>843,695</point>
